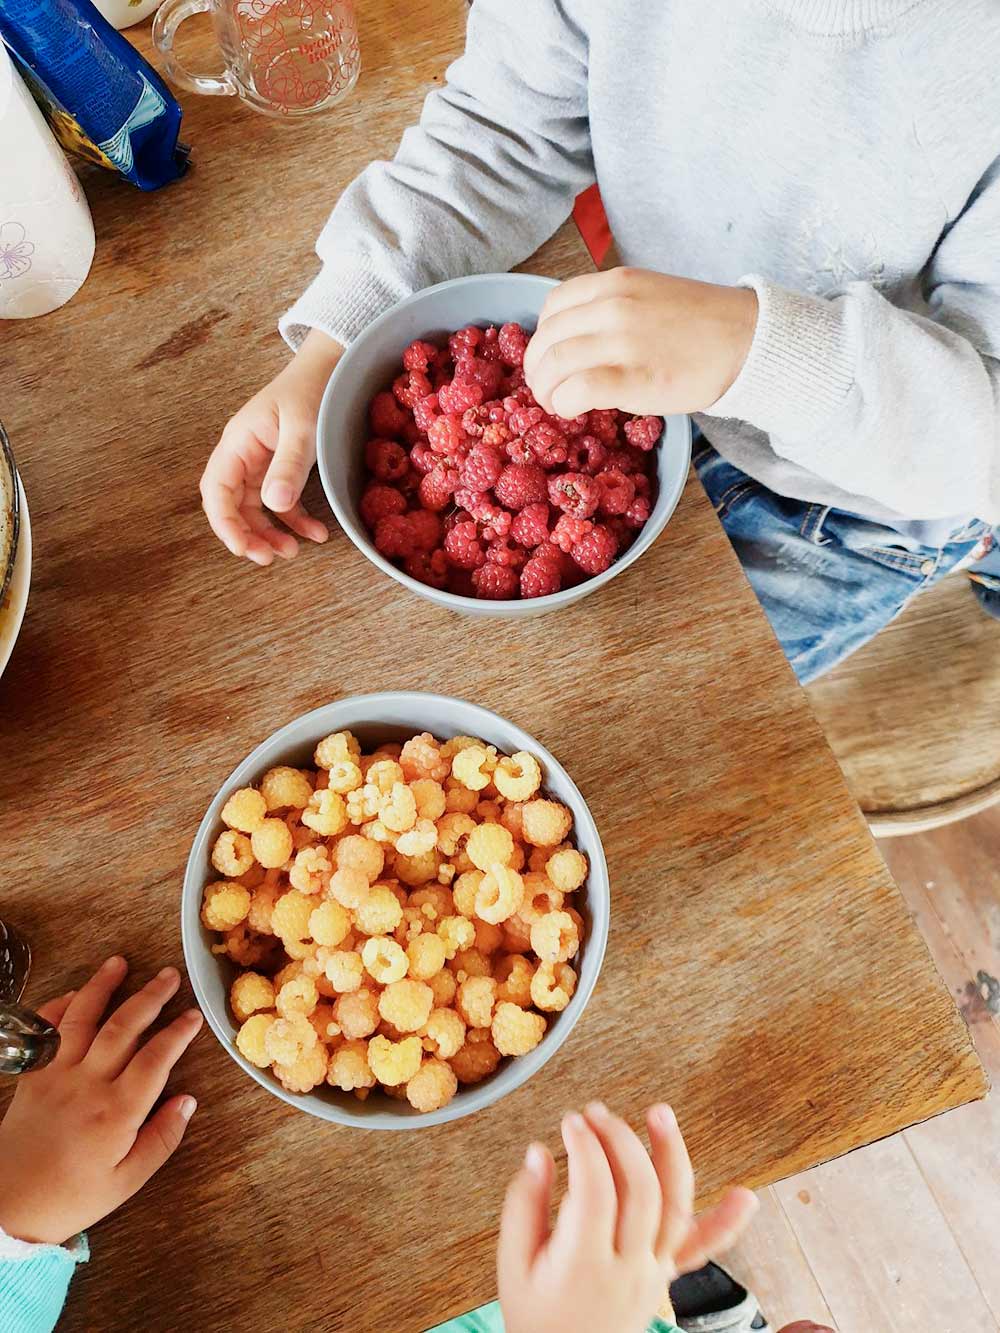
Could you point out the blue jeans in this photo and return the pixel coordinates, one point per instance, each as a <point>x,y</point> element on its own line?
<point>829,581</point>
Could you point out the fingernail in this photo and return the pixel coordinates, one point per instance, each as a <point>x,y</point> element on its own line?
<point>664,1117</point>
<point>187,1107</point>
<point>278,496</point>
<point>575,1122</point>
<point>598,1110</point>
<point>193,1016</point>
<point>534,1160</point>
<point>167,974</point>
<point>113,964</point>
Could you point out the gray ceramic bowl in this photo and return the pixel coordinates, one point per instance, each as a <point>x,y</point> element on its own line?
<point>375,718</point>
<point>373,361</point>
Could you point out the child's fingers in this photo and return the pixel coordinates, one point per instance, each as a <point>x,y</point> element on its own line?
<point>280,542</point>
<point>524,1227</point>
<point>673,1167</point>
<point>53,1010</point>
<point>590,1210</point>
<point>639,1198</point>
<point>83,1013</point>
<point>574,356</point>
<point>609,318</point>
<point>578,291</point>
<point>159,1139</point>
<point>599,387</point>
<point>289,468</point>
<point>716,1230</point>
<point>118,1039</point>
<point>146,1075</point>
<point>303,523</point>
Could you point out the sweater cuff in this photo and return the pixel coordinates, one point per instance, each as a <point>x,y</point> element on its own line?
<point>799,369</point>
<point>341,301</point>
<point>34,1280</point>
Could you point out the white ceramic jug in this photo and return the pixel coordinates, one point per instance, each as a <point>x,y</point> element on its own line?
<point>46,231</point>
<point>123,13</point>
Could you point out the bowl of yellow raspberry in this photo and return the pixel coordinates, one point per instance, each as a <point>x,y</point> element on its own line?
<point>395,910</point>
<point>447,474</point>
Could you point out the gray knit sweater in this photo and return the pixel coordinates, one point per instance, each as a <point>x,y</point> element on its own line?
<point>841,156</point>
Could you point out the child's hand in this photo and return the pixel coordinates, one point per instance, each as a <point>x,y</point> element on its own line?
<point>264,458</point>
<point>625,1228</point>
<point>75,1143</point>
<point>641,341</point>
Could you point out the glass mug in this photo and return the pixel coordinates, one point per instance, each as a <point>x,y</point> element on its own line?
<point>283,57</point>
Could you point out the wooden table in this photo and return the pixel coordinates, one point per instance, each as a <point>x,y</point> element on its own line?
<point>762,971</point>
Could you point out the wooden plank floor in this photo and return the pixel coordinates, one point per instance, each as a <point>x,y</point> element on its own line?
<point>904,1236</point>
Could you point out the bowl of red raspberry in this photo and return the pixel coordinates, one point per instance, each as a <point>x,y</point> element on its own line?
<point>444,471</point>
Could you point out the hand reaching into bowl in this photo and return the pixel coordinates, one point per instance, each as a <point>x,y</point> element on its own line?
<point>264,457</point>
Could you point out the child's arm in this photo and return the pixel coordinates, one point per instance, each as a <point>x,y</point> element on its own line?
<point>79,1137</point>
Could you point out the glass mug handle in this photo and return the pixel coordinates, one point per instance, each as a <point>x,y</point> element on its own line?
<point>169,17</point>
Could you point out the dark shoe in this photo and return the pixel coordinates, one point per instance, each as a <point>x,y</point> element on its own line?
<point>710,1301</point>
<point>988,598</point>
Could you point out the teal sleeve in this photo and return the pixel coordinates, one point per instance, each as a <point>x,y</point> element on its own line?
<point>34,1280</point>
<point>488,1319</point>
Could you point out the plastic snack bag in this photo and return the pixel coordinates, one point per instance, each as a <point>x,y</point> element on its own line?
<point>104,102</point>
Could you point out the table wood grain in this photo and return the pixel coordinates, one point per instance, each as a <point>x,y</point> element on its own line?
<point>762,971</point>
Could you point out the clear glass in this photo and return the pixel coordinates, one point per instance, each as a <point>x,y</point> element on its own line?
<point>282,57</point>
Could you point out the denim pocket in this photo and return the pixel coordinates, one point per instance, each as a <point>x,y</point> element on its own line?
<point>737,494</point>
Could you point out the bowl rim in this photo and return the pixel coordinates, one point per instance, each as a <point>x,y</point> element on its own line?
<point>476,1097</point>
<point>10,467</point>
<point>441,597</point>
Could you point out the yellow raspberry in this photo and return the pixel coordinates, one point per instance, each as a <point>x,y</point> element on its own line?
<point>344,970</point>
<point>567,869</point>
<point>443,1033</point>
<point>344,777</point>
<point>287,973</point>
<point>459,743</point>
<point>446,873</point>
<point>489,845</point>
<point>540,897</point>
<point>453,831</point>
<point>555,938</point>
<point>432,1086</point>
<point>380,913</point>
<point>464,891</point>
<point>246,949</point>
<point>251,1040</point>
<point>444,986</point>
<point>430,798</point>
<point>322,1020</point>
<point>329,924</point>
<point>288,1038</point>
<point>500,894</point>
<point>511,817</point>
<point>245,810</point>
<point>299,996</point>
<point>338,746</point>
<point>225,905</point>
<point>475,1000</point>
<point>357,1013</point>
<point>516,934</point>
<point>417,870</point>
<point>489,938</point>
<point>357,853</point>
<point>545,823</point>
<point>472,766</point>
<point>418,841</point>
<point>306,1073</point>
<point>516,1031</point>
<point>518,858</point>
<point>513,976</point>
<point>311,870</point>
<point>363,803</point>
<point>384,959</point>
<point>426,954</point>
<point>471,963</point>
<point>394,1062</point>
<point>290,917</point>
<point>326,813</point>
<point>252,878</point>
<point>435,901</point>
<point>232,854</point>
<point>540,857</point>
<point>248,993</point>
<point>475,1061</point>
<point>406,1004</point>
<point>458,798</point>
<point>458,932</point>
<point>398,809</point>
<point>379,832</point>
<point>272,843</point>
<point>413,923</point>
<point>519,777</point>
<point>285,788</point>
<point>421,758</point>
<point>386,775</point>
<point>349,887</point>
<point>552,987</point>
<point>349,1067</point>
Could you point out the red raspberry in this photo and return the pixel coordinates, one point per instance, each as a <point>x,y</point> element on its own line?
<point>495,582</point>
<point>603,422</point>
<point>497,434</point>
<point>432,568</point>
<point>521,484</point>
<point>456,516</point>
<point>575,492</point>
<point>409,482</point>
<point>482,467</point>
<point>570,426</point>
<point>473,501</point>
<point>620,530</point>
<point>642,484</point>
<point>586,454</point>
<point>411,434</point>
<point>547,444</point>
<point>518,450</point>
<point>386,416</point>
<point>446,436</point>
<point>437,487</point>
<point>638,511</point>
<point>489,348</point>
<point>531,526</point>
<point>473,370</point>
<point>501,552</point>
<point>521,419</point>
<point>423,458</point>
<point>459,395</point>
<point>643,432</point>
<point>465,341</point>
<point>497,411</point>
<point>409,389</point>
<point>617,491</point>
<point>515,382</point>
<point>627,460</point>
<point>425,411</point>
<point>595,552</point>
<point>386,459</point>
<point>513,340</point>
<point>379,502</point>
<point>474,421</point>
<point>394,536</point>
<point>517,396</point>
<point>540,577</point>
<point>419,356</point>
<point>460,582</point>
<point>463,546</point>
<point>496,521</point>
<point>568,531</point>
<point>426,529</point>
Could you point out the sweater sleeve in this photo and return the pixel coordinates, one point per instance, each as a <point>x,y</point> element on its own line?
<point>901,407</point>
<point>489,174</point>
<point>34,1280</point>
